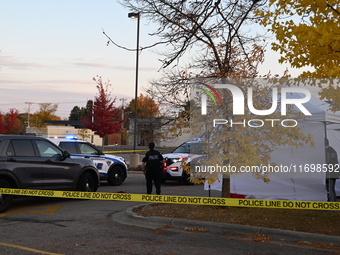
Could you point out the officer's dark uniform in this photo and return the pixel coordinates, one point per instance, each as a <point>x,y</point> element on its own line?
<point>332,174</point>
<point>153,171</point>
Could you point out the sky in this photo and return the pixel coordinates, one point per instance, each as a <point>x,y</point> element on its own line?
<point>51,50</point>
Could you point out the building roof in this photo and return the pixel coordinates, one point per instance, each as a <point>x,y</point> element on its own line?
<point>74,123</point>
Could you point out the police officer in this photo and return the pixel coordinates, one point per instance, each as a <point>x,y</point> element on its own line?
<point>331,175</point>
<point>152,168</point>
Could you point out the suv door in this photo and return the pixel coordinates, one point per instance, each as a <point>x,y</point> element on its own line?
<point>58,171</point>
<point>21,159</point>
<point>85,150</point>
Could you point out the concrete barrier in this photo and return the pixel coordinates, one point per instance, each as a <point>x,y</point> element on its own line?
<point>134,160</point>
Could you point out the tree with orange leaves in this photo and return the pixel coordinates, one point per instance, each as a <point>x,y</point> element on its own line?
<point>147,124</point>
<point>146,107</point>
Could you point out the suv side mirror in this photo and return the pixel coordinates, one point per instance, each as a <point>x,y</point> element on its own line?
<point>66,154</point>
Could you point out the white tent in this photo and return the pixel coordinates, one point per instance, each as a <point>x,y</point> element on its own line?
<point>295,185</point>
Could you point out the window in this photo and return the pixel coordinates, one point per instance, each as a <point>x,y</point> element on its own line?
<point>10,150</point>
<point>184,148</point>
<point>69,147</point>
<point>197,148</point>
<point>20,148</point>
<point>48,150</point>
<point>87,149</point>
<point>193,148</point>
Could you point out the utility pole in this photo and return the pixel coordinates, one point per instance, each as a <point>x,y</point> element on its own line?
<point>28,112</point>
<point>123,106</point>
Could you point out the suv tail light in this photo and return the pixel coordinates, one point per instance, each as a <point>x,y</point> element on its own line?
<point>169,161</point>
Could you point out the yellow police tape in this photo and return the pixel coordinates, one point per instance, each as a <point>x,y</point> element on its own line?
<point>124,151</point>
<point>260,203</point>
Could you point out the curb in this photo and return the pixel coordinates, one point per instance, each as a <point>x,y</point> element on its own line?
<point>128,217</point>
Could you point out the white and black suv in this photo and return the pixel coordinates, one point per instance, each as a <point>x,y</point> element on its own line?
<point>29,162</point>
<point>186,152</point>
<point>111,168</point>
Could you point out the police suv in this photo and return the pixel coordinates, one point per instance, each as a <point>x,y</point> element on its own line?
<point>186,152</point>
<point>111,168</point>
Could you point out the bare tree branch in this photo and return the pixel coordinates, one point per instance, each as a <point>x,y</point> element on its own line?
<point>208,35</point>
<point>335,10</point>
<point>128,49</point>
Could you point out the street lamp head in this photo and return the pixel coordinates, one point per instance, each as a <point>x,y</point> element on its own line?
<point>133,15</point>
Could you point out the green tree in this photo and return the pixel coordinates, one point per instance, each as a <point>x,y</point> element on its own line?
<point>77,113</point>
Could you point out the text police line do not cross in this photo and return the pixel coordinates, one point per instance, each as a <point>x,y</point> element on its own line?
<point>170,199</point>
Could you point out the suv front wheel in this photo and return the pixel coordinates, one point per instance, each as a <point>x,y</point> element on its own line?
<point>116,176</point>
<point>87,183</point>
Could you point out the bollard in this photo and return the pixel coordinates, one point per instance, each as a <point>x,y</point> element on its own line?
<point>134,160</point>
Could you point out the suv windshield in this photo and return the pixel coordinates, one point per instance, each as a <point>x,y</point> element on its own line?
<point>79,148</point>
<point>87,149</point>
<point>193,148</point>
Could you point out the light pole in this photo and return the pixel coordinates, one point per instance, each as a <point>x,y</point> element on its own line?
<point>134,162</point>
<point>135,15</point>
